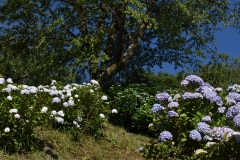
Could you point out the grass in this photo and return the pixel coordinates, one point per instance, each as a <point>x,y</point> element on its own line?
<point>115,143</point>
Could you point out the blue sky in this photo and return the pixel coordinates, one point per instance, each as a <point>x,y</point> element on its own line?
<point>228,42</point>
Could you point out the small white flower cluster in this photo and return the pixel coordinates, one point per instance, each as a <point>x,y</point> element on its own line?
<point>104,98</point>
<point>56,100</point>
<point>7,129</point>
<point>94,82</point>
<point>102,115</point>
<point>114,111</point>
<point>44,109</point>
<point>199,152</point>
<point>58,116</point>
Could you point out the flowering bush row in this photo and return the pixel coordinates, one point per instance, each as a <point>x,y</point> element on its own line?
<point>201,122</point>
<point>72,108</point>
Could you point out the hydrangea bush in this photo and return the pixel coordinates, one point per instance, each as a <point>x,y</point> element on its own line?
<point>72,108</point>
<point>202,122</point>
<point>133,103</point>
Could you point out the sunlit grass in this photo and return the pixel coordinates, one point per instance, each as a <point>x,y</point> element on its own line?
<point>111,143</point>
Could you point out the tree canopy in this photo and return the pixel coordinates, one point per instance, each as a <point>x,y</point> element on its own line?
<point>67,39</point>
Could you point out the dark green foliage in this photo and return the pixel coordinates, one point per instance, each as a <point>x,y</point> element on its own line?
<point>68,40</point>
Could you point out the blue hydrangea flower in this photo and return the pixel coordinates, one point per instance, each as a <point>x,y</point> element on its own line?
<point>213,97</point>
<point>162,97</point>
<point>229,113</point>
<point>235,96</point>
<point>195,135</point>
<point>236,121</point>
<point>157,108</point>
<point>236,109</point>
<point>206,119</point>
<point>184,83</point>
<point>165,135</point>
<point>197,95</point>
<point>203,127</point>
<point>172,114</point>
<point>194,79</point>
<point>187,95</point>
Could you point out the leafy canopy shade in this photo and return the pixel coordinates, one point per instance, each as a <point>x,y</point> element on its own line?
<point>65,40</point>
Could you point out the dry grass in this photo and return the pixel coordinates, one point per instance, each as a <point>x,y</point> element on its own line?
<point>115,144</point>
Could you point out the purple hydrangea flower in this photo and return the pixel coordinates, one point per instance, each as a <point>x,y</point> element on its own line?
<point>172,114</point>
<point>236,109</point>
<point>195,135</point>
<point>197,95</point>
<point>194,79</point>
<point>236,121</point>
<point>165,135</point>
<point>213,97</point>
<point>187,95</point>
<point>203,127</point>
<point>218,132</point>
<point>162,97</point>
<point>184,83</point>
<point>230,114</point>
<point>235,96</point>
<point>207,119</point>
<point>204,88</point>
<point>157,108</point>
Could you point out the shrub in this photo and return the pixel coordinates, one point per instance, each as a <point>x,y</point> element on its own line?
<point>72,109</point>
<point>202,120</point>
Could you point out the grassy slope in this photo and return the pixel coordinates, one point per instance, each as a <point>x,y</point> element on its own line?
<point>116,144</point>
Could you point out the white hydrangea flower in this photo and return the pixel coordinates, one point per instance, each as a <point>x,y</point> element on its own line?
<point>211,144</point>
<point>59,120</point>
<point>44,109</point>
<point>53,81</point>
<point>71,102</point>
<point>53,87</point>
<point>91,90</point>
<point>7,129</point>
<point>56,100</point>
<point>25,91</point>
<point>76,124</point>
<point>8,90</point>
<point>200,152</point>
<point>94,82</point>
<point>114,111</point>
<point>60,113</point>
<point>79,119</point>
<point>17,116</point>
<point>104,98</point>
<point>150,125</point>
<point>65,104</point>
<point>76,96</point>
<point>9,80</point>
<point>53,113</point>
<point>101,115</point>
<point>14,110</point>
<point>2,80</point>
<point>12,87</point>
<point>9,98</point>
